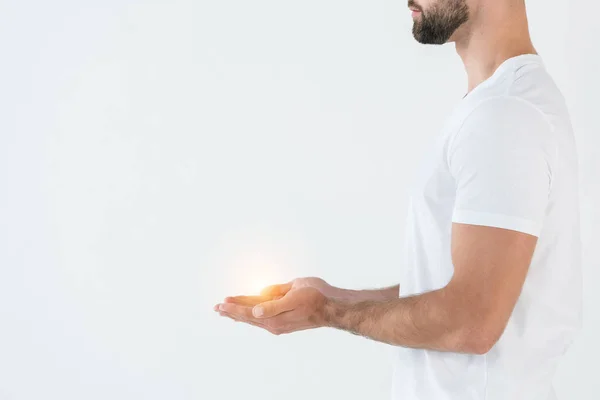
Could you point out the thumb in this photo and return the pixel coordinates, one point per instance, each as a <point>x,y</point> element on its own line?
<point>272,308</point>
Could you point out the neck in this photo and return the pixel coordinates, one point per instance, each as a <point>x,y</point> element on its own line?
<point>497,31</point>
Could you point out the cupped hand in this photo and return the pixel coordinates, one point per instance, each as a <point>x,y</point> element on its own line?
<point>284,308</point>
<point>275,292</point>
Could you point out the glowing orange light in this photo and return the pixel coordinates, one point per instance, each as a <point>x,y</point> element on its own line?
<point>255,259</point>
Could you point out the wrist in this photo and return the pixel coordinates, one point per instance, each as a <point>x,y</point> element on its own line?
<point>333,310</point>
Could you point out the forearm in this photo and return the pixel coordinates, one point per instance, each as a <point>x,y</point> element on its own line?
<point>431,321</point>
<point>355,296</point>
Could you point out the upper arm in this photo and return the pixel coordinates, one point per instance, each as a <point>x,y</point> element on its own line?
<point>502,161</point>
<point>490,267</point>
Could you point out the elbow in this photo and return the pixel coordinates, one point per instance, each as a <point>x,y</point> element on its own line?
<point>480,346</point>
<point>479,339</point>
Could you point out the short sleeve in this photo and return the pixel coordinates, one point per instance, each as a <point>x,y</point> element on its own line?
<point>501,160</point>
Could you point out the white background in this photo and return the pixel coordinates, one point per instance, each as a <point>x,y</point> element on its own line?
<point>157,156</point>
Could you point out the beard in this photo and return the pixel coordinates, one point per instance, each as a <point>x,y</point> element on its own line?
<point>438,24</point>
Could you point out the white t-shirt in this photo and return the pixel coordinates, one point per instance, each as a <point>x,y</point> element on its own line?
<point>506,158</point>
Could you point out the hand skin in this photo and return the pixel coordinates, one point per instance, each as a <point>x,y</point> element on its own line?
<point>303,291</point>
<point>328,290</point>
<point>468,315</point>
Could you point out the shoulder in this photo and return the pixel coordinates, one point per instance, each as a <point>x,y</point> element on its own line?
<point>504,119</point>
<point>500,128</point>
<point>505,112</point>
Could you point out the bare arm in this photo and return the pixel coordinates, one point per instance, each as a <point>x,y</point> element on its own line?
<point>468,315</point>
<point>422,321</point>
<point>332,292</point>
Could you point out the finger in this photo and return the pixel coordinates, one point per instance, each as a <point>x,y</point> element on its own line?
<point>236,309</point>
<point>247,300</point>
<point>238,318</point>
<point>252,322</point>
<point>270,309</point>
<point>286,322</point>
<point>276,290</point>
<point>274,325</point>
